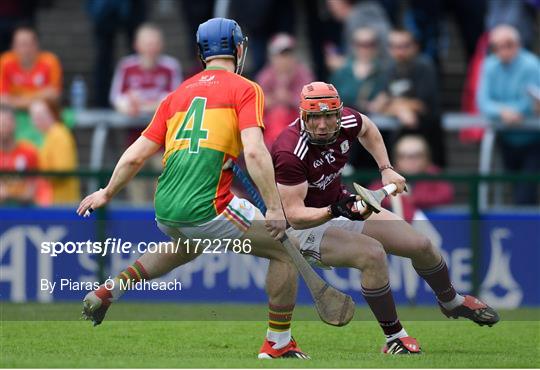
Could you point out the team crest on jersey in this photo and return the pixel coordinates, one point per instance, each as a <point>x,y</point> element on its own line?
<point>345,146</point>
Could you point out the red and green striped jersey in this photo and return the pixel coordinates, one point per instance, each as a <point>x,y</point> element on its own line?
<point>199,124</point>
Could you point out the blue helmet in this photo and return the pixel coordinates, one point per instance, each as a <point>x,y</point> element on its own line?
<point>220,37</point>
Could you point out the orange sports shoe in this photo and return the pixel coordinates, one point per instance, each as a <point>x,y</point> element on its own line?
<point>291,350</point>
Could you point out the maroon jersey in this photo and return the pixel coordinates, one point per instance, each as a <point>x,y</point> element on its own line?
<point>297,161</point>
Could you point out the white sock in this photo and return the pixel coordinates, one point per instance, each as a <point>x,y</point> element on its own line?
<point>280,338</point>
<point>400,334</point>
<point>457,301</point>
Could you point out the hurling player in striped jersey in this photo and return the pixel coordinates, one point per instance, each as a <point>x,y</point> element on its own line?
<point>334,230</point>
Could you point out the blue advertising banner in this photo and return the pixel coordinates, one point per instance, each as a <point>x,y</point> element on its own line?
<point>509,270</point>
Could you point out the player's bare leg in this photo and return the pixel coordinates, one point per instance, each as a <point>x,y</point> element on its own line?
<point>281,287</point>
<point>149,266</point>
<point>353,249</point>
<point>401,239</point>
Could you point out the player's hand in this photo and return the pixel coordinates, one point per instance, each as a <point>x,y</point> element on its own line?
<point>275,223</point>
<point>389,176</point>
<point>92,202</point>
<point>352,208</point>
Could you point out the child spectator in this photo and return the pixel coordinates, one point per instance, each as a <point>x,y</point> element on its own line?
<point>15,156</point>
<point>59,151</point>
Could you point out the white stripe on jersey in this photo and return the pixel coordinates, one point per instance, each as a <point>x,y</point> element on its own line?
<point>346,117</point>
<point>302,143</point>
<point>304,151</point>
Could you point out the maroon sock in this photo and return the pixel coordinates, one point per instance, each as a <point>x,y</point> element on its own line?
<point>382,305</point>
<point>438,279</point>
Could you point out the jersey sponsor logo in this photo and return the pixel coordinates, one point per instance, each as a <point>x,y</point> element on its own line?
<point>324,181</point>
<point>344,147</point>
<point>207,78</point>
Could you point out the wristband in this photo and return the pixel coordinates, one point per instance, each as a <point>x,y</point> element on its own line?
<point>385,167</point>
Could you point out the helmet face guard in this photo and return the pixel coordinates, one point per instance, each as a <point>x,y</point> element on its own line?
<point>240,62</point>
<point>320,99</point>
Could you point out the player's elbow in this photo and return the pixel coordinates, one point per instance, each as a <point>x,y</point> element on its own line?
<point>254,154</point>
<point>134,160</point>
<point>295,220</point>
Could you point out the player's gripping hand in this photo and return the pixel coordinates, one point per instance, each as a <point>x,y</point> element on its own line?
<point>93,201</point>
<point>347,207</point>
<point>389,176</point>
<point>275,223</point>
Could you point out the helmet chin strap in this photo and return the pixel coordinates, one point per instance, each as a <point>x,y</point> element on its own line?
<point>311,135</point>
<point>240,62</point>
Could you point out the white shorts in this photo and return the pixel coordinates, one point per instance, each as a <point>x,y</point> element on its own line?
<point>232,223</point>
<point>310,239</point>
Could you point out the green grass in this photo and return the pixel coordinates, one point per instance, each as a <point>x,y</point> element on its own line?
<point>220,343</point>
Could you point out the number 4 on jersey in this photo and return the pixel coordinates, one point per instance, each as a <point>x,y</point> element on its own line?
<point>195,113</point>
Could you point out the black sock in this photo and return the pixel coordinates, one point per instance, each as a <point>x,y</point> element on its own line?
<point>382,305</point>
<point>438,279</point>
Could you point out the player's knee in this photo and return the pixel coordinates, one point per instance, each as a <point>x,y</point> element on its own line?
<point>373,257</point>
<point>423,245</point>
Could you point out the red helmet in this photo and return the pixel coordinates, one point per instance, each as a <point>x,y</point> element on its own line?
<point>320,98</point>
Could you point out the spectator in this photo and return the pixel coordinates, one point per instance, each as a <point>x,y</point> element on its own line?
<point>109,17</point>
<point>27,73</point>
<point>426,21</point>
<point>261,20</point>
<point>520,14</point>
<point>12,15</point>
<point>59,150</point>
<point>506,77</point>
<point>282,80</point>
<point>355,15</point>
<point>411,93</point>
<point>412,157</point>
<point>362,78</point>
<point>359,82</point>
<point>15,156</point>
<point>143,79</point>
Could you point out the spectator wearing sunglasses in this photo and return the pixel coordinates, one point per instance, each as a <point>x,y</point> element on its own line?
<point>507,76</point>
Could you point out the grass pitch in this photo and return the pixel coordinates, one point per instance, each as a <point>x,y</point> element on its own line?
<point>219,342</point>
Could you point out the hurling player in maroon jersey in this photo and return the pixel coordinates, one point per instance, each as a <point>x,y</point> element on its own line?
<point>308,158</point>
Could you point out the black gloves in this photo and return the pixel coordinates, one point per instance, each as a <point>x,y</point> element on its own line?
<point>346,208</point>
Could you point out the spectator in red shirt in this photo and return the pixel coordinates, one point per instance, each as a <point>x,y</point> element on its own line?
<point>15,156</point>
<point>27,73</point>
<point>143,79</point>
<point>412,157</point>
<point>281,79</point>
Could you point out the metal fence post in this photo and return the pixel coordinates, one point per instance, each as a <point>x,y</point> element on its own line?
<point>101,229</point>
<point>475,237</point>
